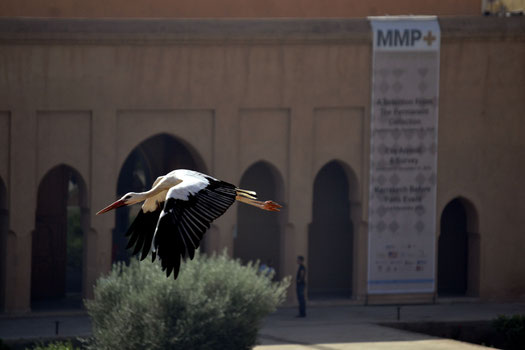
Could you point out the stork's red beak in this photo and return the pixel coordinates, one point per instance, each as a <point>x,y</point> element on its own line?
<point>117,204</point>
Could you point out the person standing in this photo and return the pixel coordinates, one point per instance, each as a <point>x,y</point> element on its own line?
<point>301,285</point>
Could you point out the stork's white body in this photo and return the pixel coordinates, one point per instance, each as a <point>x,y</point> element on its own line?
<point>190,182</point>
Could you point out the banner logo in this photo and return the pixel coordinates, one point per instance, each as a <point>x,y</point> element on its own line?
<point>405,34</point>
<point>406,37</point>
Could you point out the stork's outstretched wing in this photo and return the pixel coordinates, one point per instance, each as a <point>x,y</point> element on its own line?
<point>189,209</point>
<point>141,231</point>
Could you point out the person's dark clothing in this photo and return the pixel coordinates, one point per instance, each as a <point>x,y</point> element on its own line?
<point>300,286</point>
<point>301,275</point>
<point>301,299</point>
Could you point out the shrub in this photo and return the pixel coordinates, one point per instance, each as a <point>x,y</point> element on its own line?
<point>216,303</point>
<point>512,329</point>
<point>56,346</point>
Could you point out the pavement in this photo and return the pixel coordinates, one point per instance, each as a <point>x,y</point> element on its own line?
<point>328,326</point>
<point>357,327</point>
<point>44,326</point>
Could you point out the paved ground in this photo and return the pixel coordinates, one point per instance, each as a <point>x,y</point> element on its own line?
<point>44,326</point>
<point>327,327</point>
<point>355,327</point>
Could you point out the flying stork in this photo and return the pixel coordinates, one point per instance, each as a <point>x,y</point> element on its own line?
<point>177,211</point>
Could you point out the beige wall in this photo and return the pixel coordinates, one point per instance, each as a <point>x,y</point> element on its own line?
<point>293,93</point>
<point>481,150</point>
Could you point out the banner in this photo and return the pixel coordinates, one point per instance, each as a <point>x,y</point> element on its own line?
<point>403,155</point>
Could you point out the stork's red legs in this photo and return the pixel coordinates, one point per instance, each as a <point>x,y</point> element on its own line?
<point>268,205</point>
<point>271,206</point>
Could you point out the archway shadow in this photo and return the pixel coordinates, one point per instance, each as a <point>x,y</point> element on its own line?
<point>155,156</point>
<point>458,250</point>
<point>58,254</point>
<point>4,230</point>
<point>331,235</point>
<point>259,233</point>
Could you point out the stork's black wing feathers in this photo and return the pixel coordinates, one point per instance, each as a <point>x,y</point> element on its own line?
<point>183,223</point>
<point>141,231</point>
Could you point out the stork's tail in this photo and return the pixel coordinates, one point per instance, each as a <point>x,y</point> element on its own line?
<point>249,197</point>
<point>246,193</point>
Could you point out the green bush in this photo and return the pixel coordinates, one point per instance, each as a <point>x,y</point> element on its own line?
<point>216,303</point>
<point>56,346</point>
<point>512,329</point>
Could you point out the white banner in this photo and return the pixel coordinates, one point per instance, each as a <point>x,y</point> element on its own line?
<point>403,155</point>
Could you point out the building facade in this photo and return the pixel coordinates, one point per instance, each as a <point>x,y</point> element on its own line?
<point>92,108</point>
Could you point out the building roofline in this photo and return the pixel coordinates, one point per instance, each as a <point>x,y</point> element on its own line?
<point>28,30</point>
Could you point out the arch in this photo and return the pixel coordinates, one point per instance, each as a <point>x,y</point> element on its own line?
<point>160,143</point>
<point>458,249</point>
<point>153,157</point>
<point>354,191</point>
<point>4,229</point>
<point>58,254</point>
<point>331,241</point>
<point>467,200</point>
<point>259,233</point>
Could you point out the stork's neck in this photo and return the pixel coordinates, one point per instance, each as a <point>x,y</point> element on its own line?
<point>153,191</point>
<point>160,186</point>
<point>142,196</point>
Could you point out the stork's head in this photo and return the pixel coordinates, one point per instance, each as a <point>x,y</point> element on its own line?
<point>127,199</point>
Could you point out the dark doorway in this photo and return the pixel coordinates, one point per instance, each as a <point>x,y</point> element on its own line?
<point>4,229</point>
<point>58,240</point>
<point>453,251</point>
<point>331,235</point>
<point>258,234</point>
<point>152,158</point>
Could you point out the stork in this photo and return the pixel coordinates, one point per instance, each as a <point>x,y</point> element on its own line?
<point>177,211</point>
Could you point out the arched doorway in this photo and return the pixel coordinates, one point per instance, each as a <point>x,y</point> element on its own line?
<point>258,235</point>
<point>458,250</point>
<point>62,218</point>
<point>331,235</point>
<point>4,229</point>
<point>153,157</point>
